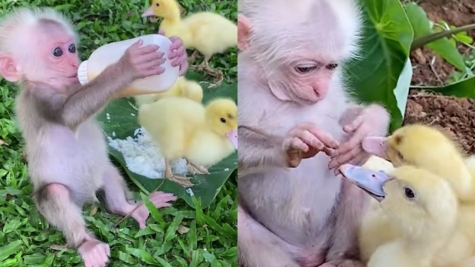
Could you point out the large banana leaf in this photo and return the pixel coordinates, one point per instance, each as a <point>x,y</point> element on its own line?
<point>123,124</point>
<point>383,71</point>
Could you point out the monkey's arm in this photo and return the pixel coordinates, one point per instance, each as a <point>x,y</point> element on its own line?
<point>83,101</point>
<point>258,150</point>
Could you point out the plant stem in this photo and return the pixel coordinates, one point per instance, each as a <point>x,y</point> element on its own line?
<point>420,42</point>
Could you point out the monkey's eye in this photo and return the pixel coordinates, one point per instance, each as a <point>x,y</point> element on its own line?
<point>223,120</point>
<point>305,69</point>
<point>409,193</point>
<point>332,66</point>
<point>72,48</point>
<point>57,52</point>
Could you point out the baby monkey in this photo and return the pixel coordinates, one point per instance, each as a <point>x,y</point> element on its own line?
<point>66,150</point>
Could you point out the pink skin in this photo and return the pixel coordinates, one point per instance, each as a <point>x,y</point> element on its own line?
<point>118,204</point>
<point>67,64</point>
<point>178,53</point>
<point>233,138</point>
<point>159,200</point>
<point>308,139</point>
<point>307,87</point>
<point>370,121</point>
<point>96,253</point>
<point>376,145</point>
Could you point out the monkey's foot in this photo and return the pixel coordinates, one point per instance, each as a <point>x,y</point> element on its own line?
<point>343,263</point>
<point>194,169</point>
<point>159,200</point>
<point>94,253</point>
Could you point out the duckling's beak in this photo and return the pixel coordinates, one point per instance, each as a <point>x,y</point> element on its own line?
<point>376,145</point>
<point>148,12</point>
<point>233,138</point>
<point>370,181</point>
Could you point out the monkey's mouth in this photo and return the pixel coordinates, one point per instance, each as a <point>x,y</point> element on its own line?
<point>371,182</point>
<point>73,79</point>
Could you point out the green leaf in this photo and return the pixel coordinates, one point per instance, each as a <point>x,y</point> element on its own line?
<point>374,77</point>
<point>443,47</point>
<point>10,249</point>
<point>464,88</point>
<point>123,124</point>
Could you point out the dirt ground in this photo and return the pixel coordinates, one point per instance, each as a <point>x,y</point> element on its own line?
<point>457,115</point>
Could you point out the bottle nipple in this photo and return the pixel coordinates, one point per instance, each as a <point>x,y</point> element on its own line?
<point>82,73</point>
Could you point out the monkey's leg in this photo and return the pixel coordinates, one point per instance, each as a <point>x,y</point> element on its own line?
<point>54,203</point>
<point>258,247</point>
<point>116,198</point>
<point>182,180</point>
<point>194,169</point>
<point>344,250</point>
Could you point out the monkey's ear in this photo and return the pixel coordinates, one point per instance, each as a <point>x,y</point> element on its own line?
<point>244,26</point>
<point>8,69</point>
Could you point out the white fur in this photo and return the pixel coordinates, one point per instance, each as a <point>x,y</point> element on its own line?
<point>21,23</point>
<point>338,22</point>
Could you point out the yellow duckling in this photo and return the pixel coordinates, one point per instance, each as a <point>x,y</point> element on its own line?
<point>375,228</point>
<point>207,32</point>
<point>183,128</point>
<point>431,144</point>
<point>426,147</point>
<point>422,209</point>
<point>182,87</point>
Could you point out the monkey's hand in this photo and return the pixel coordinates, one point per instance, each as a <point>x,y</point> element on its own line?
<point>177,53</point>
<point>141,62</point>
<point>370,121</point>
<point>305,141</point>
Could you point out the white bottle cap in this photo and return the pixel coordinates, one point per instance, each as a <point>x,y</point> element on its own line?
<point>82,73</point>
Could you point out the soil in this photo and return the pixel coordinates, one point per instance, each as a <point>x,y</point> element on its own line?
<point>456,115</point>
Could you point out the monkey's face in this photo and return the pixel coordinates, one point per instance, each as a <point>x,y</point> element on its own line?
<point>56,60</point>
<point>305,80</point>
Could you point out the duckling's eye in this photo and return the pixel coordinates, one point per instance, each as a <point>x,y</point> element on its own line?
<point>409,193</point>
<point>223,120</point>
<point>157,4</point>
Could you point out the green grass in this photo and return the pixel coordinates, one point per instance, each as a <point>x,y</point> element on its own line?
<point>175,236</point>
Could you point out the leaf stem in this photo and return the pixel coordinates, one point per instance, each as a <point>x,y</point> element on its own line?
<point>420,42</point>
